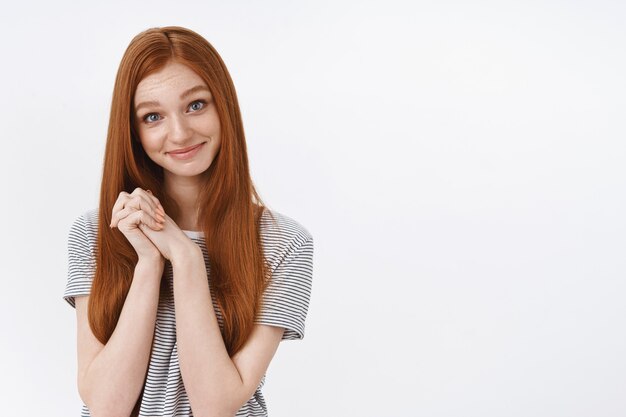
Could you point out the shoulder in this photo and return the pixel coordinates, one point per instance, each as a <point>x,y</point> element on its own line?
<point>81,251</point>
<point>84,229</point>
<point>280,227</point>
<point>282,234</point>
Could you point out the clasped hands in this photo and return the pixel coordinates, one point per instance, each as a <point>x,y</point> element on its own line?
<point>152,233</point>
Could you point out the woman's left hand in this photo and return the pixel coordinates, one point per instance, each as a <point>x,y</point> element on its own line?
<point>170,240</point>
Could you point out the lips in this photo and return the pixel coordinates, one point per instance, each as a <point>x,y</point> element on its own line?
<point>184,150</point>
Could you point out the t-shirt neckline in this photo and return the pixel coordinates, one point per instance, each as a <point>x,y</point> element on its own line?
<point>194,233</point>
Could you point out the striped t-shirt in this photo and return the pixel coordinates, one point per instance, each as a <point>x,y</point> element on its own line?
<point>288,248</point>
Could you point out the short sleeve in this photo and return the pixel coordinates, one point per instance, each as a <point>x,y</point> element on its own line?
<point>285,301</point>
<point>81,260</point>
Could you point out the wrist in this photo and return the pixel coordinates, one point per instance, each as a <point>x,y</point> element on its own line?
<point>156,263</point>
<point>186,254</point>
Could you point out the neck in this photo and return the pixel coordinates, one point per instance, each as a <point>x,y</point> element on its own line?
<point>184,190</point>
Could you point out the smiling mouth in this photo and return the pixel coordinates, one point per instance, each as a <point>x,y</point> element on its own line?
<point>185,150</point>
<point>186,154</point>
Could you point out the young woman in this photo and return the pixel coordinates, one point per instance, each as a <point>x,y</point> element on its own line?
<point>184,283</point>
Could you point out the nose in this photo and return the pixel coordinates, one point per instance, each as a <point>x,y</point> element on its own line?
<point>179,129</point>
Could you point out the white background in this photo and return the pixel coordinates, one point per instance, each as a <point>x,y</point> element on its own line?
<point>459,164</point>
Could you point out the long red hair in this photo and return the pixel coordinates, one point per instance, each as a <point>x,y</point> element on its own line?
<point>228,215</point>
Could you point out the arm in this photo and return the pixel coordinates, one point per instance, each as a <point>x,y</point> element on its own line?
<point>216,384</point>
<point>111,376</point>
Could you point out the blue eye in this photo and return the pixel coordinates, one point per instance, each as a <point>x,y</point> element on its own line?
<point>148,117</point>
<point>197,105</point>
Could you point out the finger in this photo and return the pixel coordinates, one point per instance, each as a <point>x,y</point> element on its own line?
<point>141,201</point>
<point>135,204</point>
<point>122,198</point>
<point>146,218</point>
<point>139,217</point>
<point>151,198</point>
<point>121,214</point>
<point>156,201</point>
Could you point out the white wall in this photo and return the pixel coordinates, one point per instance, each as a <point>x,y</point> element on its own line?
<point>460,165</point>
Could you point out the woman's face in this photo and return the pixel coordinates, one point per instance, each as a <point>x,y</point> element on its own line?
<point>177,121</point>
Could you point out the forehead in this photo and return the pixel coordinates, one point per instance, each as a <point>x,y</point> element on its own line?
<point>173,78</point>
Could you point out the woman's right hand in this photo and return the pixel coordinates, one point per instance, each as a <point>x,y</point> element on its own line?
<point>129,211</point>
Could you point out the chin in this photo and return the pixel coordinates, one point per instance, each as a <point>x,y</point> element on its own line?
<point>191,170</point>
<point>187,172</point>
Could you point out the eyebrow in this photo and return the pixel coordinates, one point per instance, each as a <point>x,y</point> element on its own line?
<point>182,96</point>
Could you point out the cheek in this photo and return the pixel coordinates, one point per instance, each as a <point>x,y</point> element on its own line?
<point>149,142</point>
<point>208,126</point>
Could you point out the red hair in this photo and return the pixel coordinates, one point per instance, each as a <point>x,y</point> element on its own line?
<point>228,215</point>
